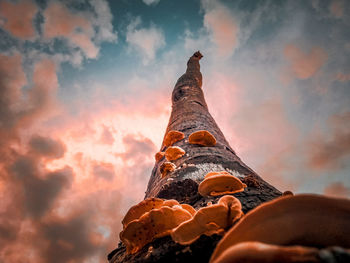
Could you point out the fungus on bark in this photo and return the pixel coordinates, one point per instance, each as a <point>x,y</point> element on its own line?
<point>136,211</point>
<point>220,183</point>
<point>256,252</point>
<point>167,167</point>
<point>151,225</point>
<point>203,138</point>
<point>287,193</point>
<point>213,219</point>
<point>159,156</point>
<point>291,221</point>
<point>173,136</point>
<point>173,153</point>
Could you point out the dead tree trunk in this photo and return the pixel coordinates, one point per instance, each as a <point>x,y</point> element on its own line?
<point>190,113</point>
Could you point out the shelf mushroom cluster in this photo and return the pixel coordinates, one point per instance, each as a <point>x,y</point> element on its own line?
<point>172,153</point>
<point>154,218</point>
<point>150,219</point>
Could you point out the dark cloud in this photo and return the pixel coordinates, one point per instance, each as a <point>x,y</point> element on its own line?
<point>137,146</point>
<point>68,239</point>
<point>327,152</point>
<point>39,190</point>
<point>106,136</point>
<point>47,147</point>
<point>104,170</point>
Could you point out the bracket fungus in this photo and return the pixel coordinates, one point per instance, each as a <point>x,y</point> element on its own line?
<point>173,136</point>
<point>203,138</point>
<point>220,183</point>
<point>173,153</point>
<point>136,211</point>
<point>256,252</point>
<point>159,156</point>
<point>151,225</point>
<point>167,167</point>
<point>209,220</point>
<point>307,220</point>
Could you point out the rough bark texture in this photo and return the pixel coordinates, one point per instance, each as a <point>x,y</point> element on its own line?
<point>190,113</point>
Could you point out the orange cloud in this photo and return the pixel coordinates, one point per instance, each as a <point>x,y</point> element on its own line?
<point>304,65</point>
<point>337,189</point>
<point>223,27</point>
<point>19,18</point>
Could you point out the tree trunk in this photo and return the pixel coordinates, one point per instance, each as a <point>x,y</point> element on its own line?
<point>190,113</point>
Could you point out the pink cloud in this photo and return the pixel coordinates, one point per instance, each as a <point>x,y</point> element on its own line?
<point>106,136</point>
<point>305,64</point>
<point>146,41</point>
<point>337,8</point>
<point>61,22</point>
<point>104,170</point>
<point>84,42</point>
<point>19,18</point>
<point>223,27</point>
<point>327,152</point>
<point>337,189</point>
<point>12,79</point>
<point>343,77</point>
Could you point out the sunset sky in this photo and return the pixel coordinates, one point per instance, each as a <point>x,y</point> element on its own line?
<point>85,97</point>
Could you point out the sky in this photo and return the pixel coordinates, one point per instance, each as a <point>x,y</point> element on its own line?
<point>85,98</point>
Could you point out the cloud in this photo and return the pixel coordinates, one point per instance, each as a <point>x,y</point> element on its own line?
<point>61,22</point>
<point>12,79</point>
<point>336,8</point>
<point>151,2</point>
<point>39,193</point>
<point>106,136</point>
<point>104,170</point>
<point>337,189</point>
<point>68,239</point>
<point>222,26</point>
<point>46,147</point>
<point>327,152</point>
<point>103,22</point>
<point>137,147</point>
<point>19,18</point>
<point>342,77</point>
<point>305,64</point>
<point>146,41</point>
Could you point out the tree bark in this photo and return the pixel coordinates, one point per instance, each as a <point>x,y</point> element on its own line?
<point>190,113</point>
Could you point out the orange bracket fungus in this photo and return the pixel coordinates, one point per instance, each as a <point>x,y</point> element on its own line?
<point>167,167</point>
<point>159,156</point>
<point>256,252</point>
<point>209,220</point>
<point>151,225</point>
<point>136,211</point>
<point>173,136</point>
<point>220,183</point>
<point>203,138</point>
<point>307,220</point>
<point>173,153</point>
